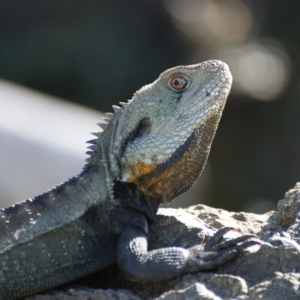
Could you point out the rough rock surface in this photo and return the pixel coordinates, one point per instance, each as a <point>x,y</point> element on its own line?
<point>289,207</point>
<point>270,272</point>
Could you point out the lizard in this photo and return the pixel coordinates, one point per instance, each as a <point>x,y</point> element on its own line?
<point>150,150</point>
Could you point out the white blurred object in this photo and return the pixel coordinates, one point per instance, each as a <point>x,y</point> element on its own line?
<point>42,141</point>
<point>261,70</point>
<point>217,23</point>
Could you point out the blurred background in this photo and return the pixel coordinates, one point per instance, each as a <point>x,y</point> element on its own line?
<point>94,54</point>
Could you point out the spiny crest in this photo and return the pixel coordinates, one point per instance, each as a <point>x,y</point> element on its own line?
<point>103,124</point>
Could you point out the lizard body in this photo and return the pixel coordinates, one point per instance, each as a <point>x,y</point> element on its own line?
<point>151,150</point>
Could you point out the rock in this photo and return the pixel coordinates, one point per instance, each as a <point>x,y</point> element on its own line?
<point>289,207</point>
<point>88,294</point>
<point>193,292</point>
<point>281,286</point>
<point>271,272</point>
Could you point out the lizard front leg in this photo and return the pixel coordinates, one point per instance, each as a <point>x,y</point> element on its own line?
<point>139,264</point>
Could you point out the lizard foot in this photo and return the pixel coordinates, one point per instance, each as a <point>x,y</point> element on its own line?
<point>218,250</point>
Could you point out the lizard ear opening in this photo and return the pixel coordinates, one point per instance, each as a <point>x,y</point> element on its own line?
<point>144,127</point>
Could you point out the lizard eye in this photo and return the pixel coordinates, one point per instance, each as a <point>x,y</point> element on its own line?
<point>177,83</point>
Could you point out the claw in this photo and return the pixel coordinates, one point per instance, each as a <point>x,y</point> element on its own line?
<point>219,258</point>
<point>247,244</point>
<point>217,237</point>
<point>233,242</point>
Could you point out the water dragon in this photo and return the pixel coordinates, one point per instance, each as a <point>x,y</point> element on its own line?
<point>151,149</point>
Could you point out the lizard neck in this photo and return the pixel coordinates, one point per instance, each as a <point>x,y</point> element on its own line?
<point>129,197</point>
<point>121,194</point>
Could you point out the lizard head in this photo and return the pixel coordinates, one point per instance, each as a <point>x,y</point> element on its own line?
<point>163,135</point>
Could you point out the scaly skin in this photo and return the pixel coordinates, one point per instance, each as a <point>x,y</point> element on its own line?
<point>152,150</point>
